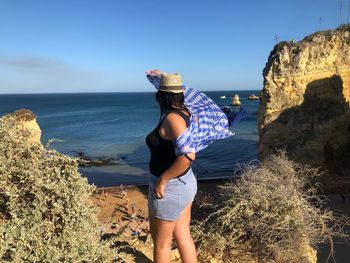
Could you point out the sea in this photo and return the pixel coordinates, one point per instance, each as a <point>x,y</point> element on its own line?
<point>114,125</point>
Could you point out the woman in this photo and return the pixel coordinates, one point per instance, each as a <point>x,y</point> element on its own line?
<point>172,185</point>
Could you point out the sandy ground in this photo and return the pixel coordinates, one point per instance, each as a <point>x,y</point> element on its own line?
<point>113,209</point>
<point>116,217</point>
<point>341,246</point>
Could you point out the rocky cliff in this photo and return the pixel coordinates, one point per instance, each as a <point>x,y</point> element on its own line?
<point>305,100</point>
<point>27,121</point>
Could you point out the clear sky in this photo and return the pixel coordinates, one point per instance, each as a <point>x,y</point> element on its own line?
<point>105,46</point>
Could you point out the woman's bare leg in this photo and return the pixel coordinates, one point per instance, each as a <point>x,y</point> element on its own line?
<point>162,234</point>
<point>183,237</point>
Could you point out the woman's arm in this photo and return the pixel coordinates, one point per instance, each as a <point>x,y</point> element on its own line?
<point>172,127</point>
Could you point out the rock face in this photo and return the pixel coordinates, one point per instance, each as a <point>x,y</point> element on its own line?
<point>27,121</point>
<point>305,100</point>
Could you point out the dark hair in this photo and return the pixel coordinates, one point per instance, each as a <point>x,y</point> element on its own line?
<point>170,101</point>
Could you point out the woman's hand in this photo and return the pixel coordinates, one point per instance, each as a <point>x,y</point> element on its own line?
<point>154,72</point>
<point>159,188</point>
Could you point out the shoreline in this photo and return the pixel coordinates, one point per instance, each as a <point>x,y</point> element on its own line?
<point>115,175</point>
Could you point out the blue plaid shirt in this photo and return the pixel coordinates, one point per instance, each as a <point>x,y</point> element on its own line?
<point>207,122</point>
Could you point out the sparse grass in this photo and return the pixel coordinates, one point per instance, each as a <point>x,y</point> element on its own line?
<point>272,213</point>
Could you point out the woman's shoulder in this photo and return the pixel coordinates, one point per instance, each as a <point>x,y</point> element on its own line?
<point>174,124</point>
<point>174,118</point>
<point>178,114</point>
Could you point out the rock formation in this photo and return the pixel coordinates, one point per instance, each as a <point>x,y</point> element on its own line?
<point>27,121</point>
<point>305,100</point>
<point>235,100</point>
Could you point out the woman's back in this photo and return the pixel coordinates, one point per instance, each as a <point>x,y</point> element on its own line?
<point>162,150</point>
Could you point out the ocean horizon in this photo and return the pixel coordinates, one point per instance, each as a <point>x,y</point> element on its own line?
<point>104,92</point>
<point>114,125</point>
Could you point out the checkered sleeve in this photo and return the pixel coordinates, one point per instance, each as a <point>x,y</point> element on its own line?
<point>154,79</point>
<point>207,123</point>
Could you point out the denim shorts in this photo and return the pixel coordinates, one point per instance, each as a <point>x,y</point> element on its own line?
<point>178,193</point>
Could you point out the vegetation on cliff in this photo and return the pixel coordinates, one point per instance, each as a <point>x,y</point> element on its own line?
<point>45,211</point>
<point>272,213</point>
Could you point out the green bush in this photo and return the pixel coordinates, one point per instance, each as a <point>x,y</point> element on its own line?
<point>272,213</point>
<point>45,211</point>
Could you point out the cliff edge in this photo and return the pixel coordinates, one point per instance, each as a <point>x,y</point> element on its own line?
<point>305,100</point>
<point>26,120</point>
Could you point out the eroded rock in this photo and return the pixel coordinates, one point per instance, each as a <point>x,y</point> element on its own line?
<point>305,100</point>
<point>27,121</point>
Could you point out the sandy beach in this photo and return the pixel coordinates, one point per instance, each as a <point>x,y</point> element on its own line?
<point>113,211</point>
<point>112,207</point>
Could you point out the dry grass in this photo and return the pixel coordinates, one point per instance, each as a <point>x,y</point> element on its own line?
<point>272,213</point>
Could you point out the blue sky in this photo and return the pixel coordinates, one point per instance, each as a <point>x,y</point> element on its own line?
<point>105,46</point>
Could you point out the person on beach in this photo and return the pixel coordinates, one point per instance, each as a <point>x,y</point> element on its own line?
<point>102,194</point>
<point>126,206</point>
<point>139,214</point>
<point>133,211</point>
<point>125,194</point>
<point>189,122</point>
<point>122,190</point>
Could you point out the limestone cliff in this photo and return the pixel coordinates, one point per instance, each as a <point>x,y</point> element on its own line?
<point>305,100</point>
<point>27,121</point>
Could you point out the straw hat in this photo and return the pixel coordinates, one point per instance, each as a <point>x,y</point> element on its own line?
<point>171,83</point>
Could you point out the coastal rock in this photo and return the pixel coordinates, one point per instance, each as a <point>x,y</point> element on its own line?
<point>235,100</point>
<point>27,121</point>
<point>253,97</point>
<point>87,161</point>
<point>305,100</point>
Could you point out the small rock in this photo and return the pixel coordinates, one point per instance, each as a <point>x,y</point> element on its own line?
<point>149,240</point>
<point>134,242</point>
<point>175,254</point>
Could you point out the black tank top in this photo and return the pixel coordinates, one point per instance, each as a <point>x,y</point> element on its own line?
<point>162,150</point>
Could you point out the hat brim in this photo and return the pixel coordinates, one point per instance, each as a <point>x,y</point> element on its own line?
<point>171,89</point>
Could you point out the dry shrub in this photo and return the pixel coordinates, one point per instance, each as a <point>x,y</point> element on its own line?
<point>45,211</point>
<point>272,213</point>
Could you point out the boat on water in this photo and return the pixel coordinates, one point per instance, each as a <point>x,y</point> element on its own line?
<point>253,97</point>
<point>223,97</point>
<point>235,100</point>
